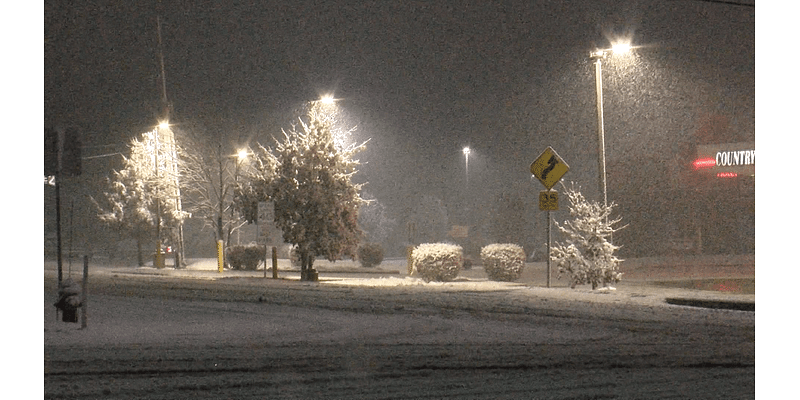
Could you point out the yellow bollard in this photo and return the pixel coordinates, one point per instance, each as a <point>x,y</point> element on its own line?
<point>220,256</point>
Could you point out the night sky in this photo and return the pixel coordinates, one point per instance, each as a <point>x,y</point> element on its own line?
<point>420,79</point>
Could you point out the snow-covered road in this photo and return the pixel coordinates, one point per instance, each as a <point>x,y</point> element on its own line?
<point>164,338</point>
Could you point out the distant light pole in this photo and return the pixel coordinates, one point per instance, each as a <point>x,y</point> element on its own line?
<point>466,163</point>
<point>241,156</point>
<point>598,56</point>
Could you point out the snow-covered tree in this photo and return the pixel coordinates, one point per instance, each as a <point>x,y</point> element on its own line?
<point>373,218</point>
<point>211,175</point>
<point>144,193</point>
<point>308,177</point>
<point>588,255</point>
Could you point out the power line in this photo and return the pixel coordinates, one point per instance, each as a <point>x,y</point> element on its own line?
<point>101,156</point>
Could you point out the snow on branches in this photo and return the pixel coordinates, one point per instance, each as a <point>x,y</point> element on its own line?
<point>147,178</point>
<point>308,177</point>
<point>588,255</point>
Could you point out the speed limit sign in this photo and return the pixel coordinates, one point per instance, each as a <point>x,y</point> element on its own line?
<point>548,200</point>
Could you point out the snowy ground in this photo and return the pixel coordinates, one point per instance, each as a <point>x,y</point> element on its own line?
<point>196,333</point>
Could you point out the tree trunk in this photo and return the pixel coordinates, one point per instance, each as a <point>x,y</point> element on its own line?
<point>307,272</point>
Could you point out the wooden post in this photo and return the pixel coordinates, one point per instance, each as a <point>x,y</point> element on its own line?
<point>83,295</point>
<point>274,262</point>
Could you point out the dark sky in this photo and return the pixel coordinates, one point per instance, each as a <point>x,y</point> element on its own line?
<point>421,79</point>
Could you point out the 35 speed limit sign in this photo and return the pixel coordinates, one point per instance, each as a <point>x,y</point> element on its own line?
<point>548,200</point>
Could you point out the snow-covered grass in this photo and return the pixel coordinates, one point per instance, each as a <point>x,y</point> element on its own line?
<point>166,337</point>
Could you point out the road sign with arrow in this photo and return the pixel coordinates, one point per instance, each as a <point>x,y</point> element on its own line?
<point>549,168</point>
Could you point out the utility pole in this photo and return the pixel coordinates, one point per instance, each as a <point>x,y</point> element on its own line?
<point>171,148</point>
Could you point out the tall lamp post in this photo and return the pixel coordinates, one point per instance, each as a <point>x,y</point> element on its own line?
<point>598,56</point>
<point>466,163</point>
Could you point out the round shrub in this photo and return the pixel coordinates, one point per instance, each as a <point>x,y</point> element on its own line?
<point>370,254</point>
<point>503,262</point>
<point>234,256</point>
<point>245,257</point>
<point>437,261</point>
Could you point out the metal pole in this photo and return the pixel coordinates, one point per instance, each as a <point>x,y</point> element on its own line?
<point>601,145</point>
<point>466,166</point>
<point>159,258</point>
<point>58,225</point>
<point>548,248</point>
<point>83,295</point>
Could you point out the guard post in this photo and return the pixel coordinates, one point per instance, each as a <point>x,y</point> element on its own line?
<point>220,256</point>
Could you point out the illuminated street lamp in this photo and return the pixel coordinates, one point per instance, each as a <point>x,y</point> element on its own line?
<point>599,56</point>
<point>327,99</point>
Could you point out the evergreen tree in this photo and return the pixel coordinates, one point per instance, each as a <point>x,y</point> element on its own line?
<point>308,177</point>
<point>588,255</point>
<point>144,193</point>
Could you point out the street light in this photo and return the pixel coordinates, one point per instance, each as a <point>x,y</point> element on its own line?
<point>327,99</point>
<point>466,164</point>
<point>599,56</point>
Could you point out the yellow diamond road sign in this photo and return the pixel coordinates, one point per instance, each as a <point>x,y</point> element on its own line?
<point>549,168</point>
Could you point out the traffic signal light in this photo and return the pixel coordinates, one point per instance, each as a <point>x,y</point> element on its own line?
<point>71,153</point>
<point>69,147</point>
<point>50,152</point>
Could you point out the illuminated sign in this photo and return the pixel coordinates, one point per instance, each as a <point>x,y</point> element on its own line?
<point>727,160</point>
<point>704,163</point>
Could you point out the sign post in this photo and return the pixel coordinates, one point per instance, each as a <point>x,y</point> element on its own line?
<point>549,168</point>
<point>548,201</point>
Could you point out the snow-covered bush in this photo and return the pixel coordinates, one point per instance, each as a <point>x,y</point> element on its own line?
<point>370,254</point>
<point>503,262</point>
<point>245,257</point>
<point>587,257</point>
<point>437,261</point>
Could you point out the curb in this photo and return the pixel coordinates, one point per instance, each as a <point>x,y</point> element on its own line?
<point>715,304</point>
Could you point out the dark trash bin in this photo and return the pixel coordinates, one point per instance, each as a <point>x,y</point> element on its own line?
<point>69,300</point>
